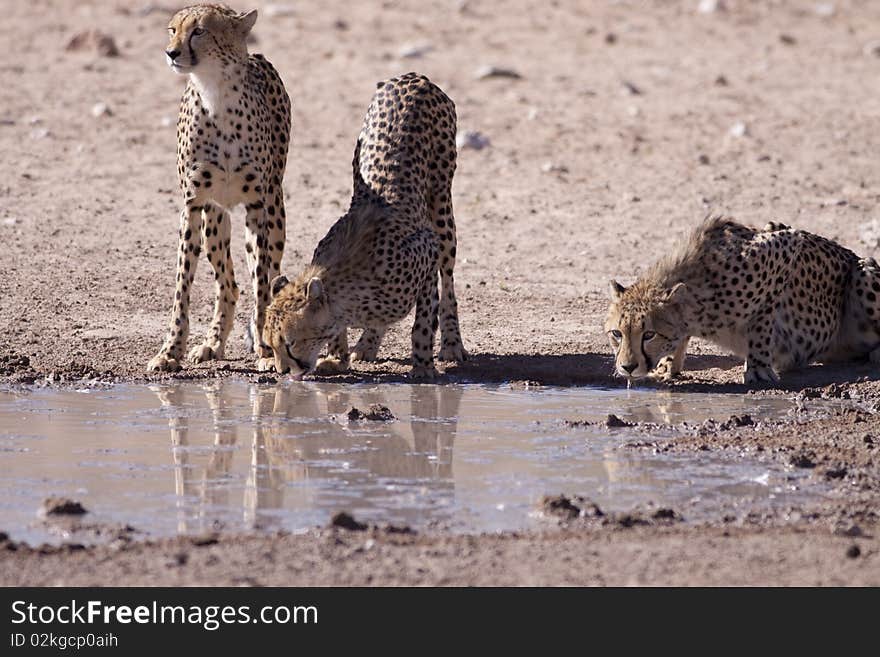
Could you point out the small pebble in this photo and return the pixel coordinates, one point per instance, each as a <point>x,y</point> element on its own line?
<point>630,88</point>
<point>416,51</point>
<point>279,9</point>
<point>61,506</point>
<point>486,72</point>
<point>93,40</point>
<point>472,139</point>
<point>739,129</point>
<point>854,552</point>
<point>872,48</point>
<point>550,167</point>
<point>101,109</point>
<point>710,6</point>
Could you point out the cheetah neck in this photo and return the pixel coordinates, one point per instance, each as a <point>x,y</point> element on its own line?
<point>215,85</point>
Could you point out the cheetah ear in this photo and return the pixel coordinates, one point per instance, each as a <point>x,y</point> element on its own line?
<point>677,293</point>
<point>278,284</point>
<point>616,290</point>
<point>246,21</point>
<point>315,290</point>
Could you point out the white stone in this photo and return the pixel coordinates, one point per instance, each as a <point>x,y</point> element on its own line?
<point>739,129</point>
<point>279,9</point>
<point>415,51</point>
<point>101,109</point>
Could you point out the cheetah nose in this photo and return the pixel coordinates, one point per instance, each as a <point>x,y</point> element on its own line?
<point>629,367</point>
<point>172,54</point>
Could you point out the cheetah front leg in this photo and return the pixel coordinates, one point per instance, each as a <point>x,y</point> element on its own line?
<point>759,361</point>
<point>216,239</point>
<point>670,367</point>
<point>424,330</point>
<point>169,356</point>
<point>259,263</point>
<point>367,347</point>
<point>337,359</point>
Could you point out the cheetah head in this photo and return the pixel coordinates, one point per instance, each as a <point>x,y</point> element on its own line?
<point>298,323</point>
<point>645,326</point>
<point>207,35</point>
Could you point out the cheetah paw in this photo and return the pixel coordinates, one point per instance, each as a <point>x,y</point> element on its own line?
<point>265,364</point>
<point>366,354</point>
<point>759,375</point>
<point>664,371</point>
<point>163,362</point>
<point>423,373</point>
<point>454,352</point>
<point>330,365</point>
<point>206,352</point>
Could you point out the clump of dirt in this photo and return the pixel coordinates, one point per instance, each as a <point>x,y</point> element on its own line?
<point>805,460</point>
<point>635,518</point>
<point>344,520</point>
<point>62,506</point>
<point>376,413</point>
<point>13,363</point>
<point>93,41</point>
<point>614,422</point>
<point>203,540</point>
<point>832,391</point>
<point>569,508</point>
<point>836,472</point>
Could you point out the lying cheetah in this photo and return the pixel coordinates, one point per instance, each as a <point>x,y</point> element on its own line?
<point>383,255</point>
<point>781,298</point>
<point>232,137</point>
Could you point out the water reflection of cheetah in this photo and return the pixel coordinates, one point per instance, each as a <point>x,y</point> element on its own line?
<point>306,456</point>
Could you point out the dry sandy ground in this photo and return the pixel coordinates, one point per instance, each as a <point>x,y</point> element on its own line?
<point>630,122</point>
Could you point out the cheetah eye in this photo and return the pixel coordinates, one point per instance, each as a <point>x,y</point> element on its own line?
<point>198,31</point>
<point>616,335</point>
<point>171,31</point>
<point>647,336</point>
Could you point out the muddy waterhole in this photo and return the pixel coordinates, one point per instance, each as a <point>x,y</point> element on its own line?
<point>237,456</point>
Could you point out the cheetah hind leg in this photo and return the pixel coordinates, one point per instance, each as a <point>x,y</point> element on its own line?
<point>367,347</point>
<point>865,296</point>
<point>423,332</point>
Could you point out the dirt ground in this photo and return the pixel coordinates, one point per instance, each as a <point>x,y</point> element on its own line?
<point>629,122</point>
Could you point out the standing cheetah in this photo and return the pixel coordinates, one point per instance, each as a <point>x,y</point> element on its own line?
<point>233,131</point>
<point>780,298</point>
<point>383,255</point>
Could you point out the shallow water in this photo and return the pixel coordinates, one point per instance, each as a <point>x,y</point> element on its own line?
<point>232,455</point>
